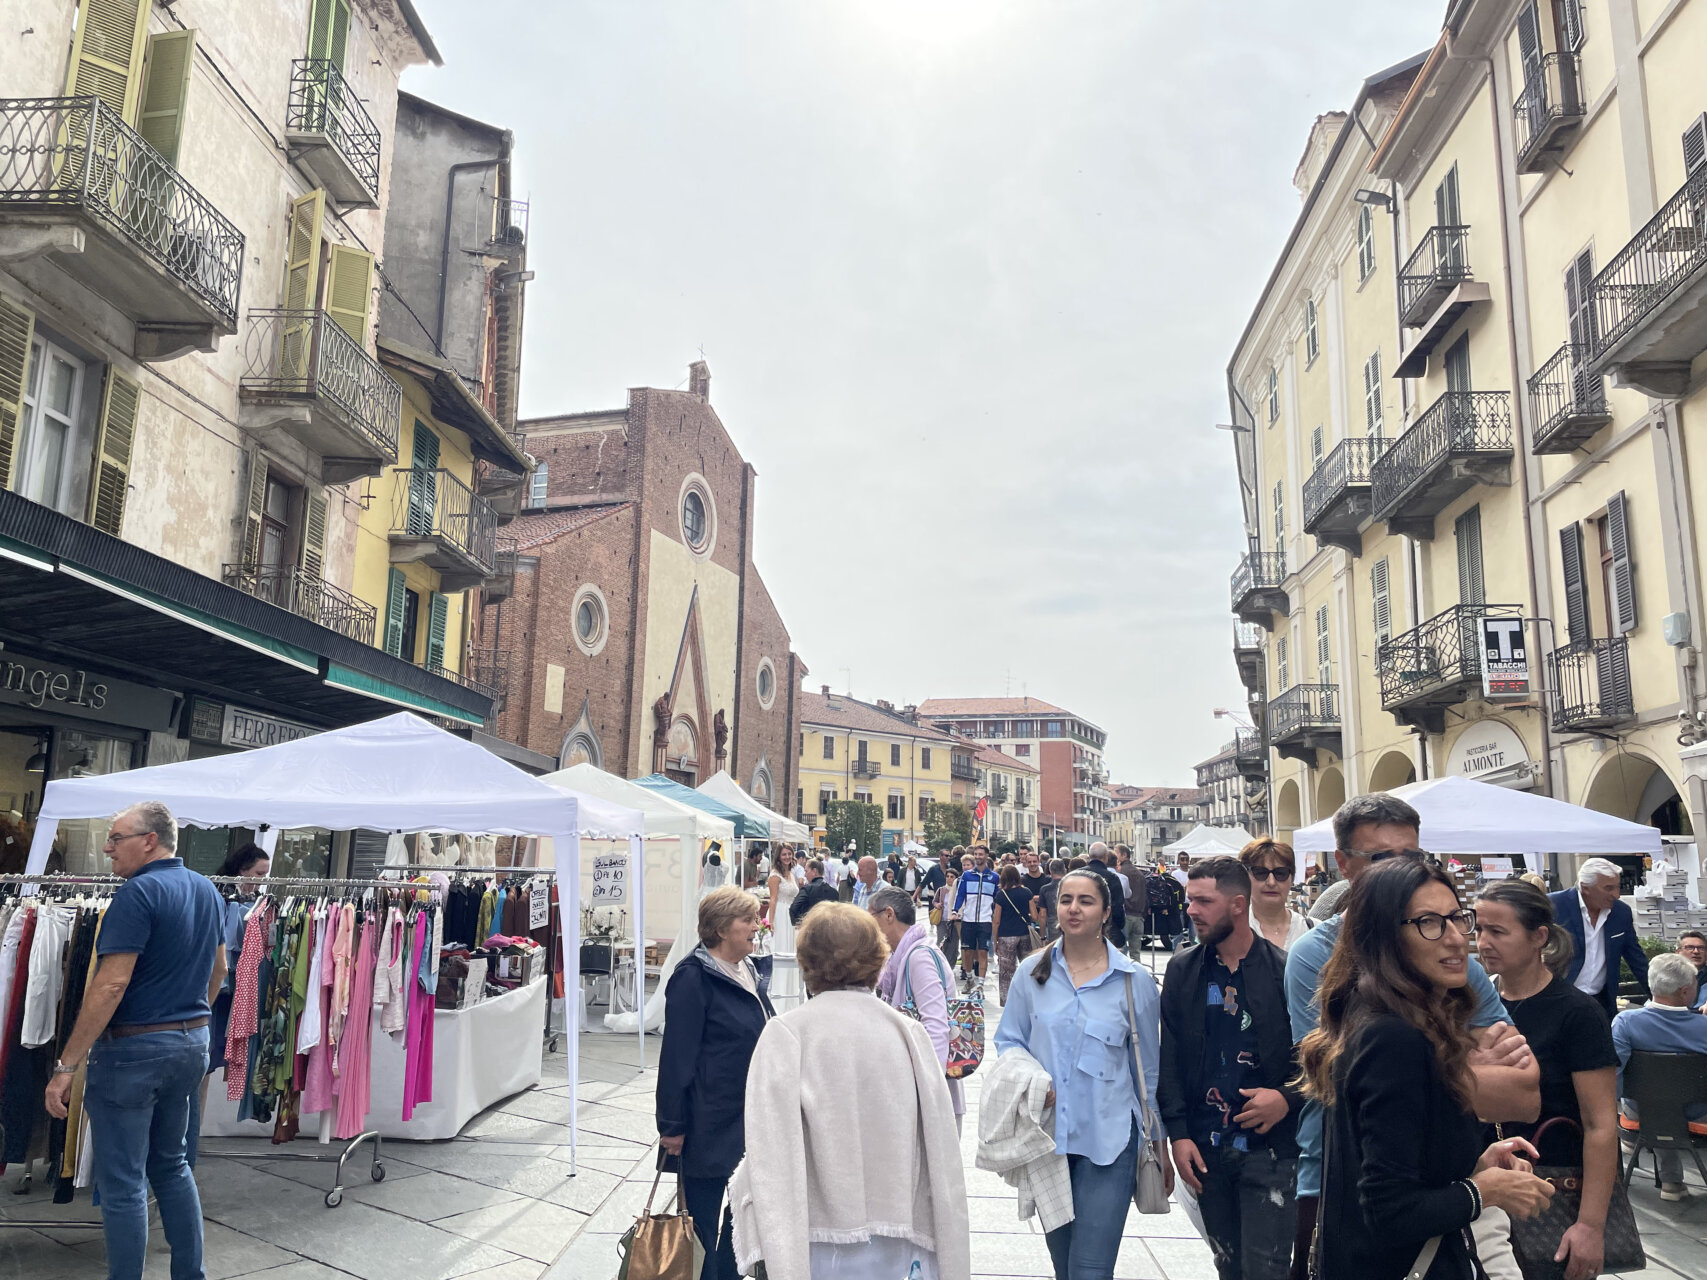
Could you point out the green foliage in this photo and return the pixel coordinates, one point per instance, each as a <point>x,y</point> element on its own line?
<point>1652,947</point>
<point>854,820</point>
<point>946,825</point>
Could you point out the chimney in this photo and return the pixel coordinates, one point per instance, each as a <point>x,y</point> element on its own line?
<point>699,380</point>
<point>911,713</point>
<point>884,705</point>
<point>826,689</point>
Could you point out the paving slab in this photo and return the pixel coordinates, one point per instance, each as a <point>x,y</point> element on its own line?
<point>533,1229</point>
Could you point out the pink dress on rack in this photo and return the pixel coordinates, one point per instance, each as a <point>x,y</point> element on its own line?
<point>356,1049</point>
<point>418,1038</point>
<point>343,947</point>
<point>319,1091</point>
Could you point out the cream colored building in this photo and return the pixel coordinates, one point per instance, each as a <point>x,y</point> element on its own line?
<point>1010,786</point>
<point>1537,397</point>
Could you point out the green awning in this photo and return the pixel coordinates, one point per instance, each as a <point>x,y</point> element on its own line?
<point>360,682</point>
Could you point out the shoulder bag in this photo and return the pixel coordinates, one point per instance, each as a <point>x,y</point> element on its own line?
<point>1419,1268</point>
<point>965,1017</point>
<point>661,1246</point>
<point>1034,939</point>
<point>1150,1193</point>
<point>1535,1240</point>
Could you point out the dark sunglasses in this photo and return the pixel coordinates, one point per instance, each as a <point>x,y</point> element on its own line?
<point>1271,873</point>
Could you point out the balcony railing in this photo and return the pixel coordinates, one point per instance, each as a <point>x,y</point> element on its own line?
<point>1303,707</point>
<point>1548,109</point>
<point>866,769</point>
<point>434,507</point>
<point>1567,402</point>
<point>323,104</point>
<point>1336,492</point>
<point>1438,664</point>
<point>1258,571</point>
<point>999,792</point>
<point>509,225</point>
<point>77,153</point>
<point>1439,262</point>
<point>962,772</point>
<point>1444,453</point>
<point>1590,684</point>
<point>308,354</point>
<point>466,678</point>
<point>489,669</point>
<point>306,596</point>
<point>1248,756</point>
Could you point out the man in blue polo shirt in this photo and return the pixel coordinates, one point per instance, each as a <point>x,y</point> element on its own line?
<point>143,1028</point>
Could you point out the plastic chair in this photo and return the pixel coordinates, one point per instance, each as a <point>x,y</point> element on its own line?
<point>598,959</point>
<point>1664,1086</point>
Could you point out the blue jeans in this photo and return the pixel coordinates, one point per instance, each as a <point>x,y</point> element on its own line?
<point>1085,1248</point>
<point>140,1096</point>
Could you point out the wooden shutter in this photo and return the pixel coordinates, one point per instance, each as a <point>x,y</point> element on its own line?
<point>115,435</point>
<point>1324,653</point>
<point>1529,40</point>
<point>1623,602</point>
<point>166,90</point>
<point>1579,299</point>
<point>1467,532</point>
<point>254,508</point>
<point>17,330</point>
<point>1280,664</point>
<point>107,53</point>
<point>329,31</point>
<point>1316,447</point>
<point>1695,145</point>
<point>423,481</point>
<point>301,284</point>
<point>349,290</point>
<point>394,613</point>
<point>1380,587</point>
<point>1446,200</point>
<point>1576,585</point>
<point>313,556</point>
<point>438,614</point>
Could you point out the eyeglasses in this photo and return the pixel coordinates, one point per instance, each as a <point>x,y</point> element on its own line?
<point>1432,925</point>
<point>113,837</point>
<point>1271,873</point>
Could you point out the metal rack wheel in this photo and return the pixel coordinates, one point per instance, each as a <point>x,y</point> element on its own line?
<point>334,1198</point>
<point>378,1172</point>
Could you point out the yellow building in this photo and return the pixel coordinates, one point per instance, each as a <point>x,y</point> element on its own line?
<point>1494,436</point>
<point>853,750</point>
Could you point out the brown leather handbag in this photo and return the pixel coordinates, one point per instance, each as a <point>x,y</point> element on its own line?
<point>661,1246</point>
<point>1535,1240</point>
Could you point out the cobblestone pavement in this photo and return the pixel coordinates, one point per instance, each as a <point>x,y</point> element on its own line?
<point>498,1203</point>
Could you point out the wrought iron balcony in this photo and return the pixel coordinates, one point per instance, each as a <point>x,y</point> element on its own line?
<point>1305,719</point>
<point>467,678</point>
<point>1249,757</point>
<point>439,521</point>
<point>1650,300</point>
<point>1021,800</point>
<point>1547,114</point>
<point>1248,655</point>
<point>866,769</point>
<point>505,490</point>
<point>1437,665</point>
<point>1257,591</point>
<point>502,584</point>
<point>999,792</point>
<point>1589,685</point>
<point>1567,402</point>
<point>963,771</point>
<point>306,376</point>
<point>1461,440</point>
<point>81,186</point>
<point>307,596</point>
<point>1336,496</point>
<point>329,131</point>
<point>507,230</point>
<point>1438,264</point>
<point>489,670</point>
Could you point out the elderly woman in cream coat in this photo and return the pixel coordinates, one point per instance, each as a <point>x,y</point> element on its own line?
<point>847,1106</point>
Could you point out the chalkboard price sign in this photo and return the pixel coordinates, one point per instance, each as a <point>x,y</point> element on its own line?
<point>610,880</point>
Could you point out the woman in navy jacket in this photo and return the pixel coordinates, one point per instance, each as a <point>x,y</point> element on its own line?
<point>713,1014</point>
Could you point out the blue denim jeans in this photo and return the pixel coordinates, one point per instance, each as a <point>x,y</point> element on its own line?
<point>1086,1247</point>
<point>140,1096</point>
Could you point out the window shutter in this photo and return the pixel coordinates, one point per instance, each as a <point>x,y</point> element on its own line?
<point>166,91</point>
<point>1623,571</point>
<point>1372,415</point>
<point>1695,145</point>
<point>329,31</point>
<point>1280,664</point>
<point>394,611</point>
<point>423,487</point>
<point>1467,532</point>
<point>253,509</point>
<point>1529,40</point>
<point>107,53</point>
<point>313,557</point>
<point>438,613</point>
<point>349,290</point>
<point>1316,447</point>
<point>1323,654</point>
<point>1570,33</point>
<point>1380,588</point>
<point>114,436</point>
<point>17,330</point>
<point>1576,585</point>
<point>301,284</point>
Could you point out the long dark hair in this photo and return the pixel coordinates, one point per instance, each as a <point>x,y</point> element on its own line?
<point>1369,976</point>
<point>240,859</point>
<point>1046,961</point>
<point>1534,910</point>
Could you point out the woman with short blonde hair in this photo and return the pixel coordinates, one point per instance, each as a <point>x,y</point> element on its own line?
<point>1271,866</point>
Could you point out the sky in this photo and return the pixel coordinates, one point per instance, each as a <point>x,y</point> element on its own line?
<point>968,274</point>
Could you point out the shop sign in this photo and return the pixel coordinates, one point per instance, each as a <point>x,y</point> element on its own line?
<point>220,725</point>
<point>1505,658</point>
<point>1496,868</point>
<point>610,880</point>
<point>88,695</point>
<point>1490,751</point>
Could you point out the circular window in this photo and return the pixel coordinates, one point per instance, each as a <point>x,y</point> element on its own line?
<point>698,516</point>
<point>766,681</point>
<point>693,519</point>
<point>591,620</point>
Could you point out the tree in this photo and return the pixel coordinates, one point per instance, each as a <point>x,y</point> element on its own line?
<point>946,825</point>
<point>857,821</point>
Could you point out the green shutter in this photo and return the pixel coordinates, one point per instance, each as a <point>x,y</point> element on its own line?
<point>17,330</point>
<point>329,31</point>
<point>115,435</point>
<point>107,53</point>
<point>313,557</point>
<point>349,290</point>
<point>166,91</point>
<point>423,481</point>
<point>301,285</point>
<point>1623,570</point>
<point>254,507</point>
<point>394,608</point>
<point>438,615</point>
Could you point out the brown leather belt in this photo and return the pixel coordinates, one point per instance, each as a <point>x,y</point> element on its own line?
<point>120,1033</point>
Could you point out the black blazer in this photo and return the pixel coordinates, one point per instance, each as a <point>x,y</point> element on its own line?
<point>1263,971</point>
<point>711,1024</point>
<point>1397,1149</point>
<point>811,894</point>
<point>1620,939</point>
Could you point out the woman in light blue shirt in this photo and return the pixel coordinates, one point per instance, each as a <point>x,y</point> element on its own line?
<point>1067,1008</point>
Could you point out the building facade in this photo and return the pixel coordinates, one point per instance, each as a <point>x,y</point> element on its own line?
<point>1009,788</point>
<point>1466,405</point>
<point>1067,750</point>
<point>874,753</point>
<point>1156,817</point>
<point>1224,791</point>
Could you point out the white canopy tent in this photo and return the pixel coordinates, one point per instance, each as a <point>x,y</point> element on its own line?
<point>674,834</point>
<point>395,774</point>
<point>1204,842</point>
<point>1460,815</point>
<point>721,787</point>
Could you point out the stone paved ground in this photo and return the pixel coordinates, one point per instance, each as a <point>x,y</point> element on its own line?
<point>498,1203</point>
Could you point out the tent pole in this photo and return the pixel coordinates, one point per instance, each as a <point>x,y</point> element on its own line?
<point>570,904</point>
<point>637,854</point>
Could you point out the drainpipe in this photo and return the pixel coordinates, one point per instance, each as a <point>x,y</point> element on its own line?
<point>444,245</point>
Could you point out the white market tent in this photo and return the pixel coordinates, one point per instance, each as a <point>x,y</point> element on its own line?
<point>399,773</point>
<point>1204,842</point>
<point>721,787</point>
<point>1463,816</point>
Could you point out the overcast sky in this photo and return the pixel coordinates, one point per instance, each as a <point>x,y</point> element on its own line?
<point>968,274</point>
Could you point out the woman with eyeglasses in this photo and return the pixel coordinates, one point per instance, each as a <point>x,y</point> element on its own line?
<point>1271,866</point>
<point>1523,946</point>
<point>1406,1170</point>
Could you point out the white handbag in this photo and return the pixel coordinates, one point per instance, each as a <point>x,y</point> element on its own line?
<point>1150,1189</point>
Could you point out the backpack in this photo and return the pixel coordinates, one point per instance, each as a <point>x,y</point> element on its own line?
<point>965,1020</point>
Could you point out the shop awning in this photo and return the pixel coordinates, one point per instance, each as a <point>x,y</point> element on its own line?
<point>746,826</point>
<point>77,595</point>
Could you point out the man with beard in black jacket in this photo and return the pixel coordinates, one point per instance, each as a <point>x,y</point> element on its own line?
<point>815,890</point>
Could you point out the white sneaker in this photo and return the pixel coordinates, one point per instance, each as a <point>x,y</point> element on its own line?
<point>1673,1191</point>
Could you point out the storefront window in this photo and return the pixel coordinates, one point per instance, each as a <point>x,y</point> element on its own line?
<point>303,852</point>
<point>79,754</point>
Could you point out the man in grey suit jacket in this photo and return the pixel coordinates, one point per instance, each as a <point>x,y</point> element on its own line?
<point>1604,931</point>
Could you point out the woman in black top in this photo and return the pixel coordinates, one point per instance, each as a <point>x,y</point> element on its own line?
<point>1011,921</point>
<point>1404,1165</point>
<point>1571,1040</point>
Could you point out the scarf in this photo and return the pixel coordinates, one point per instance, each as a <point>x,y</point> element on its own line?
<point>892,967</point>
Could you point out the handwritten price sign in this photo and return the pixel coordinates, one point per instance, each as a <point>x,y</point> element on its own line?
<point>610,880</point>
